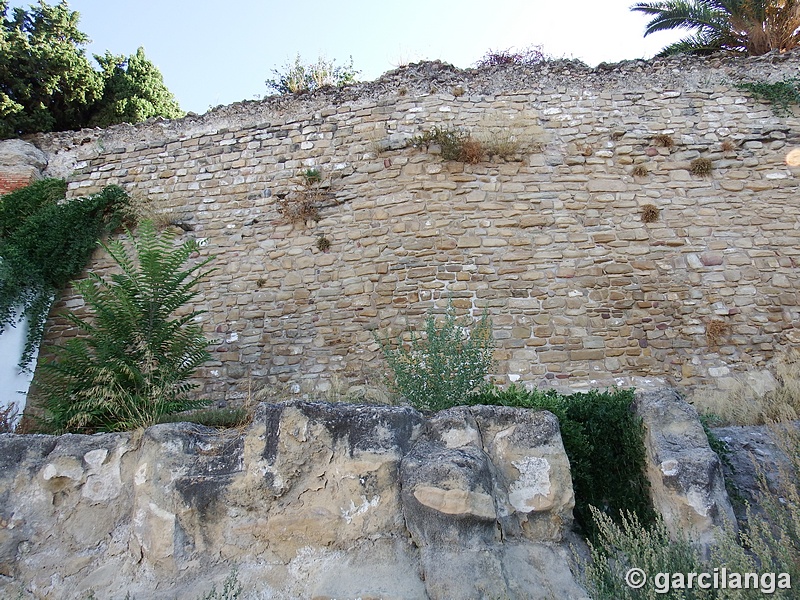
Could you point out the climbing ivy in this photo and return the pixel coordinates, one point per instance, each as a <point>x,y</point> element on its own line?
<point>45,242</point>
<point>782,95</point>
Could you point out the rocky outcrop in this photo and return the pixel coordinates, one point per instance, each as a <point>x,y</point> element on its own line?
<point>686,481</point>
<point>310,501</point>
<point>754,452</point>
<point>20,163</point>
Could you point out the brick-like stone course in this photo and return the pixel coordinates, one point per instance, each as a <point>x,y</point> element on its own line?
<point>550,239</point>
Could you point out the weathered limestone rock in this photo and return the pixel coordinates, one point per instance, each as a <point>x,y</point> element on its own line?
<point>686,481</point>
<point>754,451</point>
<point>20,163</point>
<point>313,500</point>
<point>482,489</point>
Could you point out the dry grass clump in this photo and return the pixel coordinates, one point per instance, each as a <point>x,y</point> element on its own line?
<point>650,213</point>
<point>716,330</point>
<point>663,140</point>
<point>701,167</point>
<point>502,145</point>
<point>8,418</point>
<point>640,171</point>
<point>756,400</point>
<point>728,146</point>
<point>471,151</point>
<point>304,202</point>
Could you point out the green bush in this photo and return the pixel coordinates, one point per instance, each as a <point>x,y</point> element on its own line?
<point>604,441</point>
<point>34,228</point>
<point>446,364</point>
<point>134,363</point>
<point>451,141</point>
<point>767,542</point>
<point>298,77</point>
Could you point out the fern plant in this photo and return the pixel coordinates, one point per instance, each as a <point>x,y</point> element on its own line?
<point>134,363</point>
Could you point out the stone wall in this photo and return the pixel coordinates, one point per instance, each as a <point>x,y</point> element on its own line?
<point>550,238</point>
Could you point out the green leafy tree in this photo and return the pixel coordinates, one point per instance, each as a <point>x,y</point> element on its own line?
<point>45,242</point>
<point>299,77</point>
<point>46,81</point>
<point>139,350</point>
<point>750,27</point>
<point>134,91</point>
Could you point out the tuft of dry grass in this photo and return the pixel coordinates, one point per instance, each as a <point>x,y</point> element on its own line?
<point>715,331</point>
<point>701,167</point>
<point>728,146</point>
<point>502,145</point>
<point>640,171</point>
<point>663,140</point>
<point>304,202</point>
<point>471,151</point>
<point>756,400</point>
<point>650,213</point>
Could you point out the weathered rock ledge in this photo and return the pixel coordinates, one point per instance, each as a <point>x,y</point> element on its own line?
<point>312,500</point>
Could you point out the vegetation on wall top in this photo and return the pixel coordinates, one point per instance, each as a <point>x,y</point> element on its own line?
<point>45,242</point>
<point>299,77</point>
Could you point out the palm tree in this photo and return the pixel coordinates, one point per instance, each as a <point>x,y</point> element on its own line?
<point>744,26</point>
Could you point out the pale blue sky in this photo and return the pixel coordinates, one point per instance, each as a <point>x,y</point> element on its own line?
<point>221,52</point>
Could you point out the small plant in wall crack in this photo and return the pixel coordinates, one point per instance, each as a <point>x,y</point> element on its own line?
<point>308,197</point>
<point>650,213</point>
<point>701,167</point>
<point>640,171</point>
<point>716,330</point>
<point>455,144</point>
<point>323,243</point>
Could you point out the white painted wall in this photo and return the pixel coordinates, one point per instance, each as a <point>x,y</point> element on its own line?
<point>14,382</point>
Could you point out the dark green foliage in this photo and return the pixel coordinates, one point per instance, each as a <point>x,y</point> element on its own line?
<point>16,207</point>
<point>782,95</point>
<point>134,91</point>
<point>45,245</point>
<point>47,83</point>
<point>603,439</point>
<point>298,77</point>
<point>445,365</point>
<point>135,360</point>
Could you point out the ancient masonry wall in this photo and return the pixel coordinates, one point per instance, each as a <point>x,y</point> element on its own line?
<point>549,239</point>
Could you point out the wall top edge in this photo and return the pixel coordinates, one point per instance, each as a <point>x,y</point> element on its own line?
<point>412,82</point>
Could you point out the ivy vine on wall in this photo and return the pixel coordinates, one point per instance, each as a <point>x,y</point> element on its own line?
<point>45,242</point>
